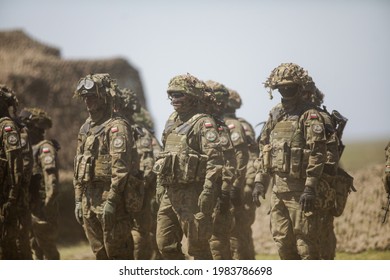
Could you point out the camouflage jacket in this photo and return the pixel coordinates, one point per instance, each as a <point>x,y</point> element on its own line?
<point>11,162</point>
<point>105,161</point>
<point>292,148</point>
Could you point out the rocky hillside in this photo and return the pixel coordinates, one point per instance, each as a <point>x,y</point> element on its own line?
<point>41,78</point>
<point>358,229</point>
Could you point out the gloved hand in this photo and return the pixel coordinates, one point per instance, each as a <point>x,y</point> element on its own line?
<point>78,212</point>
<point>235,196</point>
<point>206,201</point>
<point>258,190</point>
<point>109,215</point>
<point>307,199</point>
<point>224,202</point>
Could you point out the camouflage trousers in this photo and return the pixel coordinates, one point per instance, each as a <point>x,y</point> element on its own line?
<point>220,238</point>
<point>179,214</point>
<point>8,235</point>
<point>115,244</point>
<point>23,239</point>
<point>43,239</point>
<point>294,232</point>
<point>141,230</point>
<point>327,237</point>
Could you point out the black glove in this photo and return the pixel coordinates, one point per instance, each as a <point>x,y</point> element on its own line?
<point>224,202</point>
<point>109,215</point>
<point>307,199</point>
<point>258,190</point>
<point>235,196</point>
<point>78,212</point>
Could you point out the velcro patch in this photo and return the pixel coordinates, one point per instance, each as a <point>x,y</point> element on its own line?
<point>8,128</point>
<point>231,126</point>
<point>45,150</point>
<point>114,129</point>
<point>313,116</point>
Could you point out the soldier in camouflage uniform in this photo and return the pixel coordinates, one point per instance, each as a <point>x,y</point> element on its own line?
<point>11,168</point>
<point>222,216</point>
<point>107,181</point>
<point>238,139</point>
<point>293,153</point>
<point>142,220</point>
<point>249,211</point>
<point>188,169</point>
<point>386,175</point>
<point>23,213</point>
<point>44,185</point>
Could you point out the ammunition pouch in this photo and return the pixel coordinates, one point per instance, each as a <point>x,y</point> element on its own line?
<point>286,160</point>
<point>83,166</point>
<point>325,193</point>
<point>134,193</point>
<point>172,167</point>
<point>343,185</point>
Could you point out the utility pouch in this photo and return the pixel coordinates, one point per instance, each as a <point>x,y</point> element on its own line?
<point>282,158</point>
<point>267,156</point>
<point>191,167</point>
<point>295,163</point>
<point>85,168</point>
<point>163,165</point>
<point>202,166</point>
<point>305,162</point>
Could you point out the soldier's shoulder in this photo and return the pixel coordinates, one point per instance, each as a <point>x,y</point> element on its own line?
<point>8,122</point>
<point>205,121</point>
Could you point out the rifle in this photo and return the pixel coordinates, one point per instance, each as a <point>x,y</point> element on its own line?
<point>340,122</point>
<point>386,209</point>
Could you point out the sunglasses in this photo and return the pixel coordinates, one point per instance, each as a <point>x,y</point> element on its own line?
<point>86,83</point>
<point>175,95</point>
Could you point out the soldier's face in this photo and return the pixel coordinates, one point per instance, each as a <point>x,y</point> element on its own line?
<point>179,101</point>
<point>288,92</point>
<point>95,106</point>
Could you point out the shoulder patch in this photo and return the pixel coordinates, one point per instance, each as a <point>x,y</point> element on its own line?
<point>313,116</point>
<point>231,126</point>
<point>211,135</point>
<point>317,128</point>
<point>45,150</point>
<point>114,129</point>
<point>12,139</point>
<point>235,136</point>
<point>8,128</point>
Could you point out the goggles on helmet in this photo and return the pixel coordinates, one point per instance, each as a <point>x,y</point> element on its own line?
<point>172,95</point>
<point>86,83</point>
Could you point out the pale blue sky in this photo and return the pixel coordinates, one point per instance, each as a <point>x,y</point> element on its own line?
<point>343,44</point>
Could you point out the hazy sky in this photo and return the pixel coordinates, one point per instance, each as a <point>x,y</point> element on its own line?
<point>344,45</point>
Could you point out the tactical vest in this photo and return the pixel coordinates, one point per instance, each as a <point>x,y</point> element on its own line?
<point>93,163</point>
<point>179,163</point>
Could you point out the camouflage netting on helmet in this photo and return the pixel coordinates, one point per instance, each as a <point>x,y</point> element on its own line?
<point>36,117</point>
<point>289,74</point>
<point>235,101</point>
<point>187,84</point>
<point>129,101</point>
<point>7,96</point>
<point>100,84</point>
<point>220,92</point>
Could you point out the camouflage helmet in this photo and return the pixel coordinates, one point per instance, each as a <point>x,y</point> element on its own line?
<point>220,92</point>
<point>187,84</point>
<point>234,99</point>
<point>286,74</point>
<point>129,101</point>
<point>36,117</point>
<point>8,98</point>
<point>101,85</point>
